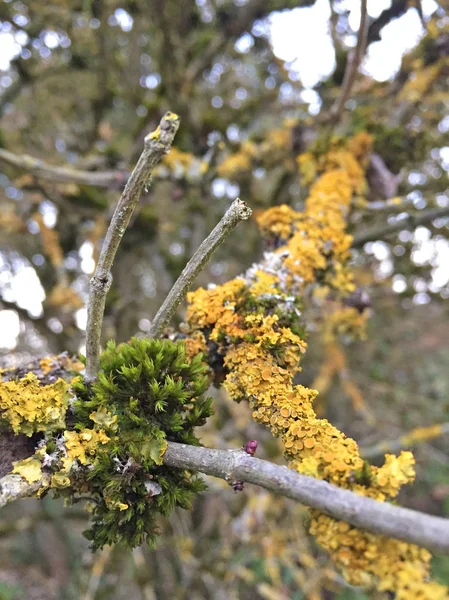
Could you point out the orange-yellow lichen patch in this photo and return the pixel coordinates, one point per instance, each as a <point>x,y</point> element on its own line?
<point>29,407</point>
<point>28,468</point>
<point>81,446</point>
<point>239,162</point>
<point>278,220</point>
<point>261,357</point>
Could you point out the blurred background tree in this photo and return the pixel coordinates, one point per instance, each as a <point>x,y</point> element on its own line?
<point>256,83</point>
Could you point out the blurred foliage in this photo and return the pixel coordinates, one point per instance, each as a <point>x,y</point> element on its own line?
<point>86,81</point>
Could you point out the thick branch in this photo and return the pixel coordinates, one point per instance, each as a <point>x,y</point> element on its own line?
<point>376,517</point>
<point>157,144</point>
<point>42,170</point>
<point>13,487</point>
<point>408,222</point>
<point>237,212</point>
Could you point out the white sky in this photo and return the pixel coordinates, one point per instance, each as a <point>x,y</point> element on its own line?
<point>302,38</point>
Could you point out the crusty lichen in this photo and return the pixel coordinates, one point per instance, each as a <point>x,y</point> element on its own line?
<point>28,407</point>
<point>253,322</point>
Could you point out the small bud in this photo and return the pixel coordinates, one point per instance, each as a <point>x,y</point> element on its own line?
<point>251,447</point>
<point>237,486</point>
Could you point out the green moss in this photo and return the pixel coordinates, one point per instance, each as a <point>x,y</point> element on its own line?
<point>147,393</point>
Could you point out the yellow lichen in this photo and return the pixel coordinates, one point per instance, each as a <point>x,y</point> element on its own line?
<point>261,358</point>
<point>81,446</point>
<point>28,468</point>
<point>29,407</point>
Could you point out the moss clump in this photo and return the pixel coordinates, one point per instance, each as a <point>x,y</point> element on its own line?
<point>147,393</point>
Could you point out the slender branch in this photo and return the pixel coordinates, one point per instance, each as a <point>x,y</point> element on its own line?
<point>157,144</point>
<point>408,222</point>
<point>380,518</point>
<point>354,60</point>
<point>413,437</point>
<point>42,170</point>
<point>365,513</point>
<point>237,212</point>
<point>391,205</point>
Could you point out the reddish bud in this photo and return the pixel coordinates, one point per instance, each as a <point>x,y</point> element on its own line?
<point>251,447</point>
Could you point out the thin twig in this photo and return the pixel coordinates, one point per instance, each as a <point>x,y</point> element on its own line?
<point>42,170</point>
<point>354,60</point>
<point>398,204</point>
<point>365,513</point>
<point>237,212</point>
<point>381,518</point>
<point>157,144</point>
<point>408,222</point>
<point>100,562</point>
<point>416,436</point>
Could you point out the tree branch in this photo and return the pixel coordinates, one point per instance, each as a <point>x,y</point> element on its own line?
<point>157,144</point>
<point>408,222</point>
<point>398,204</point>
<point>376,517</point>
<point>415,436</point>
<point>354,60</point>
<point>13,487</point>
<point>381,518</point>
<point>237,212</point>
<point>42,170</point>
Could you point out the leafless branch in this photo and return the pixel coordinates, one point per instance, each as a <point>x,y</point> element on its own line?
<point>376,517</point>
<point>237,212</point>
<point>157,144</point>
<point>365,513</point>
<point>354,60</point>
<point>412,438</point>
<point>391,205</point>
<point>42,170</point>
<point>408,222</point>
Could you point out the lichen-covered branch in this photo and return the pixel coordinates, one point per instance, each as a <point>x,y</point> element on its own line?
<point>157,144</point>
<point>43,170</point>
<point>250,332</point>
<point>376,517</point>
<point>237,212</point>
<point>13,487</point>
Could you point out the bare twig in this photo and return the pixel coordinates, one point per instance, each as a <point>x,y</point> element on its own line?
<point>354,60</point>
<point>237,212</point>
<point>408,222</point>
<point>42,170</point>
<point>376,517</point>
<point>98,568</point>
<point>157,144</point>
<point>365,513</point>
<point>397,204</point>
<point>416,436</point>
